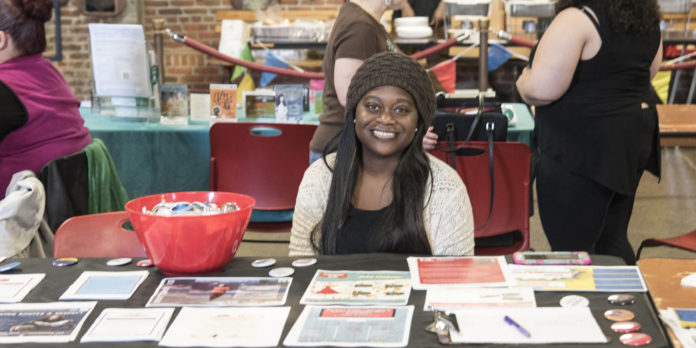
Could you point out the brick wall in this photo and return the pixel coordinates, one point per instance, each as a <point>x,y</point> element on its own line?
<point>194,18</point>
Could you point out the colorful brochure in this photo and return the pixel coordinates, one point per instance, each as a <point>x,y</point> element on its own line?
<point>579,278</point>
<point>351,327</point>
<point>358,288</point>
<point>223,102</point>
<point>42,322</point>
<point>129,324</point>
<point>471,271</point>
<point>227,327</point>
<point>104,285</point>
<point>220,291</point>
<point>14,287</point>
<point>539,325</point>
<point>685,333</point>
<point>450,299</point>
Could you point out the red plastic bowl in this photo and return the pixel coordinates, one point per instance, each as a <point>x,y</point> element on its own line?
<point>184,245</point>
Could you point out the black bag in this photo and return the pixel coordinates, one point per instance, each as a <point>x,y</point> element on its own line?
<point>488,124</point>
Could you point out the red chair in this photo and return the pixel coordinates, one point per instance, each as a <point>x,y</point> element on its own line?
<point>508,228</point>
<point>97,235</point>
<point>685,241</point>
<point>264,160</point>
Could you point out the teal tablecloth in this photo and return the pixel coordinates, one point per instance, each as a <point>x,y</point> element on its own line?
<point>152,158</point>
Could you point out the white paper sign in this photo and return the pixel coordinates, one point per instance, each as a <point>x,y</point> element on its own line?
<point>119,60</point>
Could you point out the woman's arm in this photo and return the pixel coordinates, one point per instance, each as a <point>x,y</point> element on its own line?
<point>655,66</point>
<point>450,222</point>
<point>344,69</point>
<point>309,208</point>
<point>559,51</point>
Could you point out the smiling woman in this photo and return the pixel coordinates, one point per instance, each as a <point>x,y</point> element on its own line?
<point>380,192</point>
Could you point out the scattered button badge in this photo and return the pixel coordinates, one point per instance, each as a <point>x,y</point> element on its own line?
<point>260,263</point>
<point>9,266</point>
<point>144,263</point>
<point>304,262</point>
<point>574,301</point>
<point>119,262</point>
<point>281,272</point>
<point>625,326</point>
<point>635,339</point>
<point>622,299</point>
<point>619,315</point>
<point>65,261</point>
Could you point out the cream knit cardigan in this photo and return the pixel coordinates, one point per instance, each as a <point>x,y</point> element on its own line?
<point>447,217</point>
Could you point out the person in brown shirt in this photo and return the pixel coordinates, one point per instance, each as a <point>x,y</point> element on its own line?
<point>356,35</point>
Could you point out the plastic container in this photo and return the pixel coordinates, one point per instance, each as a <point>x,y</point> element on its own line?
<point>185,245</point>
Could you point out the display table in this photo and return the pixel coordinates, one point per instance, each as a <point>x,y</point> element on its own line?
<point>152,158</point>
<point>677,124</point>
<point>663,277</point>
<point>59,278</point>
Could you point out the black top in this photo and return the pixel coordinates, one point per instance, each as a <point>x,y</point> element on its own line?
<point>597,128</point>
<point>360,232</point>
<point>13,114</point>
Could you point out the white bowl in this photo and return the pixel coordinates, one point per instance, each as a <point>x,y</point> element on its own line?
<point>411,21</point>
<point>409,32</point>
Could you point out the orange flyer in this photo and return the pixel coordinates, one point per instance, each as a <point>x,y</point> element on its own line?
<point>223,102</point>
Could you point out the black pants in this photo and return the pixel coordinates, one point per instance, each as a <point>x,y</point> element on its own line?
<point>580,214</point>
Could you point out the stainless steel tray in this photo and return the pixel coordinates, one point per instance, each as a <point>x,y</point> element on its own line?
<point>674,6</point>
<point>530,8</point>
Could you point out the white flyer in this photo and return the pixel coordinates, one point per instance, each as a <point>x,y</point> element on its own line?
<point>351,327</point>
<point>104,285</point>
<point>119,60</point>
<point>129,324</point>
<point>14,287</point>
<point>538,325</point>
<point>227,327</point>
<point>455,298</point>
<point>42,322</point>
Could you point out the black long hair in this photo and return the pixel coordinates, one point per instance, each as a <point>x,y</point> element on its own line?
<point>403,229</point>
<point>628,16</point>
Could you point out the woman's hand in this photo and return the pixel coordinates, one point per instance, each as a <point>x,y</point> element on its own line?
<point>430,140</point>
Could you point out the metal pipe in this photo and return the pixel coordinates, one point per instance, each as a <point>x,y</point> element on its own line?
<point>158,24</point>
<point>483,24</point>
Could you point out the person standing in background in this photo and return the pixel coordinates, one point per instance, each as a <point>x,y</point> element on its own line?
<point>589,78</point>
<point>39,116</point>
<point>433,9</point>
<point>357,34</point>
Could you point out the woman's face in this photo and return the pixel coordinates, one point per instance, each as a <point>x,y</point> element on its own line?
<point>385,121</point>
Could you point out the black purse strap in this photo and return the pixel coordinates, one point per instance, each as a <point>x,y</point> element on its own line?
<point>490,129</point>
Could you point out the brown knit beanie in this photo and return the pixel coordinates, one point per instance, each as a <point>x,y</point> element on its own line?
<point>393,69</point>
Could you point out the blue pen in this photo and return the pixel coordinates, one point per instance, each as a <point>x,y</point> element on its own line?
<point>517,326</point>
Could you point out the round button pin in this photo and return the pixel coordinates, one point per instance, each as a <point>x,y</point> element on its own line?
<point>119,262</point>
<point>144,263</point>
<point>621,299</point>
<point>9,266</point>
<point>64,261</point>
<point>260,263</point>
<point>281,272</point>
<point>625,326</point>
<point>619,315</point>
<point>635,339</point>
<point>574,301</point>
<point>304,262</point>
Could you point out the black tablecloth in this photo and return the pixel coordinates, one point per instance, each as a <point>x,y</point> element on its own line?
<point>58,279</point>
